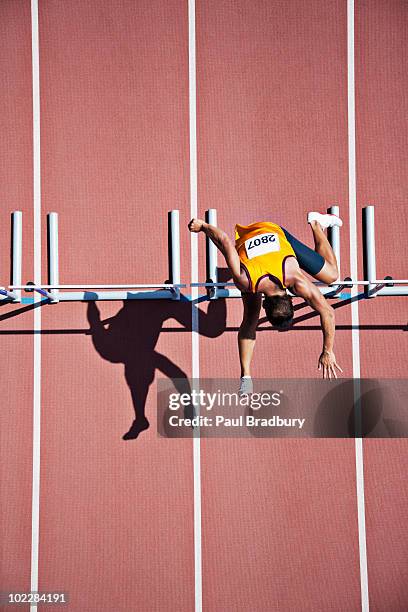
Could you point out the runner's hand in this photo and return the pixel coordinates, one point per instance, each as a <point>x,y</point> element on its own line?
<point>195,225</point>
<point>327,362</point>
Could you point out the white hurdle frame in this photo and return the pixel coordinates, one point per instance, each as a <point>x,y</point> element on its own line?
<point>57,293</point>
<point>16,259</point>
<point>211,259</point>
<point>53,255</point>
<point>334,236</point>
<point>377,287</point>
<point>174,254</point>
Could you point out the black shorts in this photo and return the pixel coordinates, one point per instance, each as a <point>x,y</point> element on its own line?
<point>310,261</point>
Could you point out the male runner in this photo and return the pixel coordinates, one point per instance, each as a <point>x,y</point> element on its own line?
<point>265,260</point>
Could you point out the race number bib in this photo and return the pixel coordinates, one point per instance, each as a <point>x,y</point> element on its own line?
<point>259,245</point>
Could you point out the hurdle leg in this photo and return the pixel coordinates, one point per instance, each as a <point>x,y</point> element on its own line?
<point>17,252</point>
<point>53,262</point>
<point>369,249</point>
<point>333,235</point>
<point>174,251</point>
<point>211,256</point>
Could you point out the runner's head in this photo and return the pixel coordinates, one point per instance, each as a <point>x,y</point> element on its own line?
<point>279,310</point>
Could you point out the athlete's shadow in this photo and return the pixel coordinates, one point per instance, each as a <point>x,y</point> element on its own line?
<point>130,337</point>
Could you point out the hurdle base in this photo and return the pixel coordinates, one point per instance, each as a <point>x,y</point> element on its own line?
<point>220,292</point>
<point>95,296</point>
<point>392,291</point>
<point>13,297</point>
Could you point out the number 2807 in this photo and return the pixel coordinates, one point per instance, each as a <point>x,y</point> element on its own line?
<point>254,242</point>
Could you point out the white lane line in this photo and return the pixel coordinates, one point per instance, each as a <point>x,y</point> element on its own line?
<point>195,365</point>
<point>35,504</point>
<point>355,334</point>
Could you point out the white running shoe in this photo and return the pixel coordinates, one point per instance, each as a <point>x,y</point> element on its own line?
<point>246,386</point>
<point>324,220</point>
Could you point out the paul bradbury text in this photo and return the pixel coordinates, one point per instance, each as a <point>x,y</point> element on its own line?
<point>241,421</point>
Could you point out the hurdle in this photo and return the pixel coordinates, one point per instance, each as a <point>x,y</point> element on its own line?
<point>8,293</point>
<point>372,286</point>
<point>217,290</point>
<point>377,287</point>
<point>55,292</point>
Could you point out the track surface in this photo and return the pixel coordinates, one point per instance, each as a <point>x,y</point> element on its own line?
<point>279,517</point>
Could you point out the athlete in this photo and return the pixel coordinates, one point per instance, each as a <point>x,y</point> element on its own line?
<point>265,261</point>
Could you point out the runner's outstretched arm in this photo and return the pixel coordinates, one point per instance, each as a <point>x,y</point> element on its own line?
<point>302,287</point>
<point>225,245</point>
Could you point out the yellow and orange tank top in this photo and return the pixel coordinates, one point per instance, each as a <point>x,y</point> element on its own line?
<point>262,248</point>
